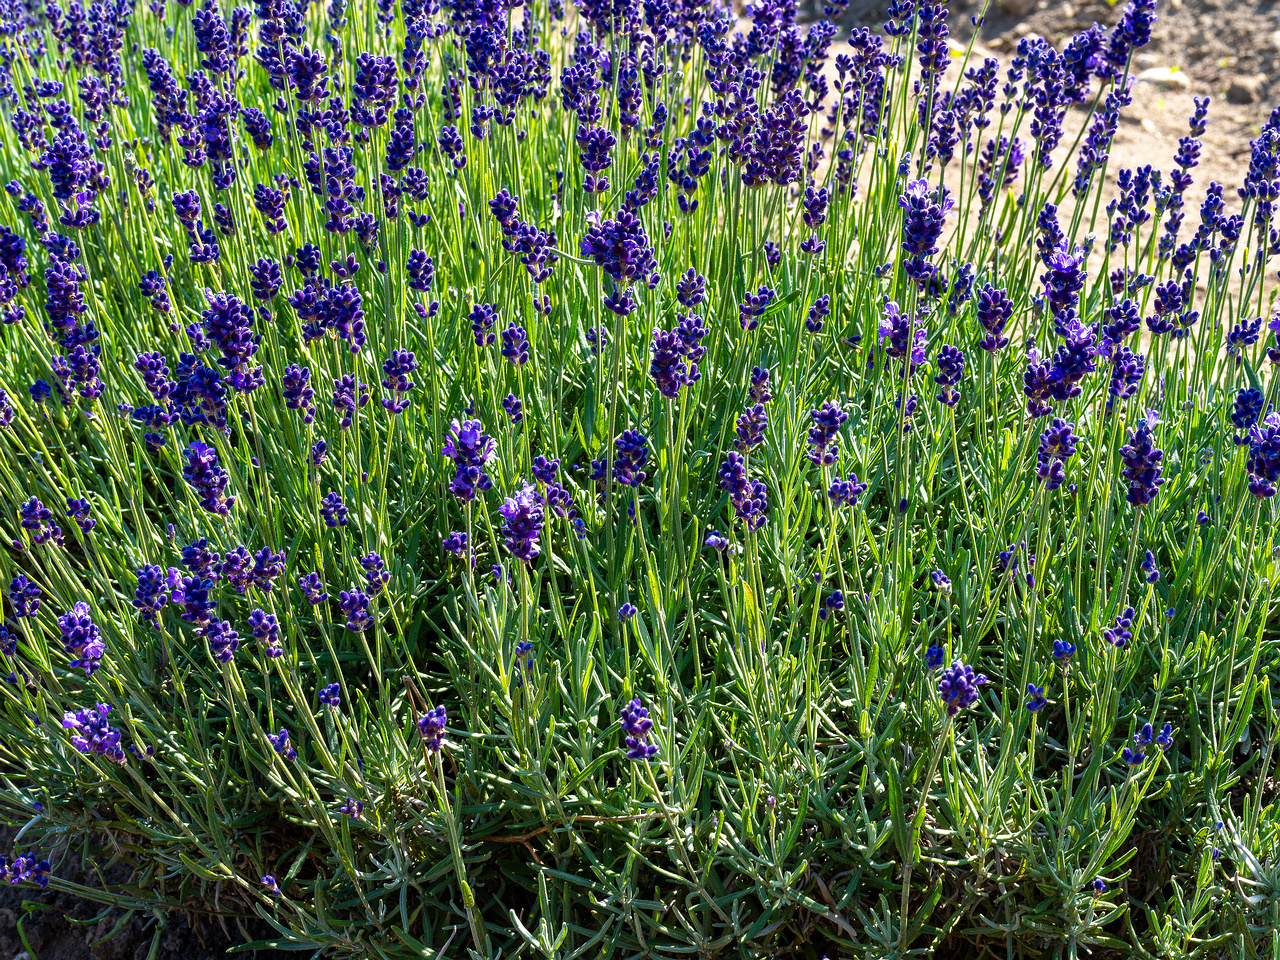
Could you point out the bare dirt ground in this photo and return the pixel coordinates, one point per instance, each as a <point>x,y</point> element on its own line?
<point>1224,49</point>
<point>47,925</point>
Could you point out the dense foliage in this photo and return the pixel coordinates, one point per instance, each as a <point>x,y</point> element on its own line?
<point>640,479</point>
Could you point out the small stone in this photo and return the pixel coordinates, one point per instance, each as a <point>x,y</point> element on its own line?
<point>1148,126</point>
<point>1016,8</point>
<point>1146,61</point>
<point>1167,78</point>
<point>1246,89</point>
<point>1022,29</point>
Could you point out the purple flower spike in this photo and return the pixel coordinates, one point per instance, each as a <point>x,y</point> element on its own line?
<point>632,449</point>
<point>397,368</point>
<point>281,745</point>
<point>265,628</point>
<point>355,604</point>
<point>352,808</point>
<point>82,638</point>
<point>1142,465</point>
<point>924,215</point>
<point>903,337</point>
<point>621,248</point>
<point>636,727</point>
<point>432,728</point>
<point>827,421</point>
<point>1035,698</point>
<point>1121,633</point>
<point>223,641</point>
<point>312,588</point>
<point>958,687</point>
<point>207,478</point>
<point>1263,464</point>
<point>27,868</point>
<point>37,518</point>
<point>78,510</point>
<point>522,515</point>
<point>995,309</point>
<point>92,733</point>
<point>333,510</point>
<point>950,370</point>
<point>470,448</point>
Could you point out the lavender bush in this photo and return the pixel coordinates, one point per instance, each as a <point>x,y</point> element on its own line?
<point>633,479</point>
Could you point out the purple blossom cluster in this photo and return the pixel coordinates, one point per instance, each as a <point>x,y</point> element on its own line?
<point>636,727</point>
<point>92,734</point>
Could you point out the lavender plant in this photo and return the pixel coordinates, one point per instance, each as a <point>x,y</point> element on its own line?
<point>730,376</point>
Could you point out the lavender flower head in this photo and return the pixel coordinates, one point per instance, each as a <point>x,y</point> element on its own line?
<point>845,493</point>
<point>35,517</point>
<point>432,728</point>
<point>717,541</point>
<point>333,510</point>
<point>222,639</point>
<point>827,421</point>
<point>994,310</point>
<point>1057,445</point>
<point>312,588</point>
<point>207,478</point>
<point>1121,632</point>
<point>151,596</point>
<point>1035,698</point>
<point>924,216</point>
<point>950,370</point>
<point>902,337</point>
<point>265,628</point>
<point>82,638</point>
<point>1142,466</point>
<point>78,510</point>
<point>26,868</point>
<point>281,745</point>
<point>1263,463</point>
<point>355,604</point>
<point>352,808</point>
<point>397,368</point>
<point>632,453</point>
<point>522,515</point>
<point>636,727</point>
<point>958,687</point>
<point>24,596</point>
<point>470,448</point>
<point>93,735</point>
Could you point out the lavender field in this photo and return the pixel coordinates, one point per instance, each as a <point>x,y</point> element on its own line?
<point>664,479</point>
